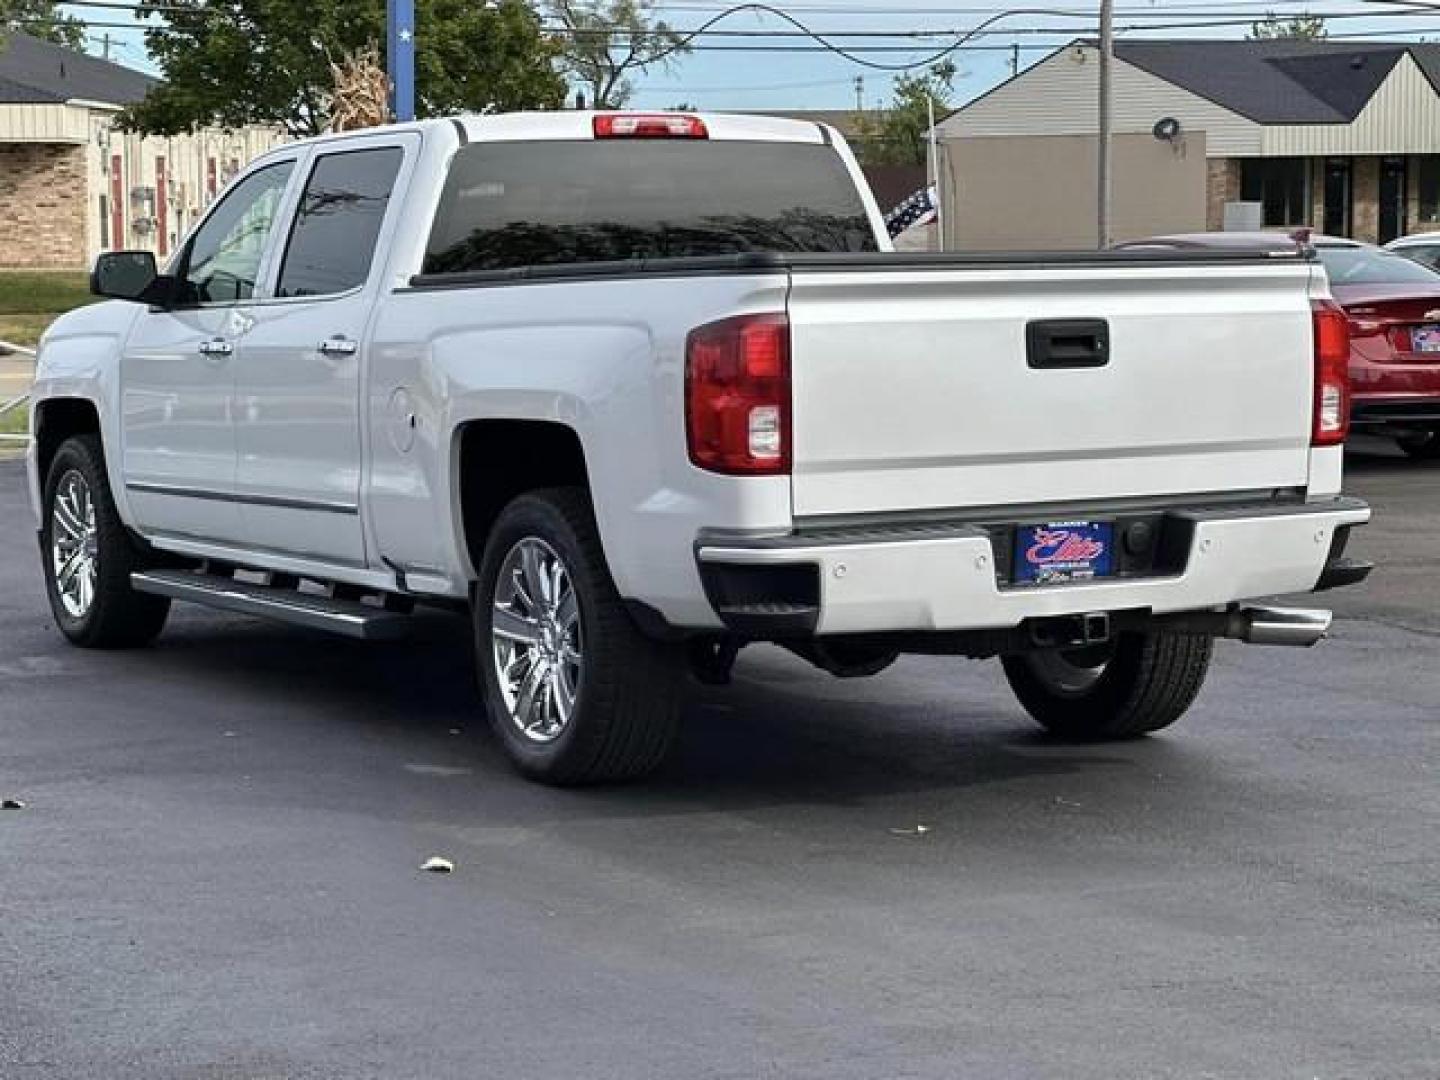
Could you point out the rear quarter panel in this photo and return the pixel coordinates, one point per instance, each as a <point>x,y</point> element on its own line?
<point>603,358</point>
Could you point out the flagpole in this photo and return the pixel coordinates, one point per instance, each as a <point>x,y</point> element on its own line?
<point>400,57</point>
<point>935,174</point>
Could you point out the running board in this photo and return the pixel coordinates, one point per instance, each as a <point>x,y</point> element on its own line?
<point>349,618</point>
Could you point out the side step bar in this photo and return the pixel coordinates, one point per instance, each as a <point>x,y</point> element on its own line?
<point>349,618</point>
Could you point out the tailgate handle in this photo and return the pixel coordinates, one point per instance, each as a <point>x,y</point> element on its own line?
<point>1067,343</point>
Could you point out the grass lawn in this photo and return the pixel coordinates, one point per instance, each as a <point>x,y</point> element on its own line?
<point>31,300</point>
<point>15,422</point>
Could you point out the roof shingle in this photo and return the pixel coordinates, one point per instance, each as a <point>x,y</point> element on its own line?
<point>36,72</point>
<point>1282,81</point>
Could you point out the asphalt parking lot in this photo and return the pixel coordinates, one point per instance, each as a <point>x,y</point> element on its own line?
<point>215,874</point>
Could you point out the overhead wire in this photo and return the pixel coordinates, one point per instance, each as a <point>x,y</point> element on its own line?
<point>960,40</point>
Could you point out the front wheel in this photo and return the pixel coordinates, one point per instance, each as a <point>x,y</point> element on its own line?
<point>1134,685</point>
<point>574,692</point>
<point>89,556</point>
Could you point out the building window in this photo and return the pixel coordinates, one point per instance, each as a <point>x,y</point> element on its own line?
<point>1282,185</point>
<point>1427,182</point>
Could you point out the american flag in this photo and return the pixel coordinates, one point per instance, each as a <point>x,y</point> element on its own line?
<point>919,209</point>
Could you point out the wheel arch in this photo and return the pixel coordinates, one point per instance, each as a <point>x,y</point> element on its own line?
<point>499,459</point>
<point>57,419</point>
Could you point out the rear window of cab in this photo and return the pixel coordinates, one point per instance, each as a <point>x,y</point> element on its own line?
<point>518,204</point>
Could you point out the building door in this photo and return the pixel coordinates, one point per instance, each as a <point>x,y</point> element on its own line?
<point>1339,197</point>
<point>1394,195</point>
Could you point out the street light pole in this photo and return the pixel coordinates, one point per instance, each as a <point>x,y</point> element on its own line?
<point>400,57</point>
<point>1106,148</point>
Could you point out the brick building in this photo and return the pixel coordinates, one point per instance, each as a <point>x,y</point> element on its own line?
<point>1343,137</point>
<point>72,185</point>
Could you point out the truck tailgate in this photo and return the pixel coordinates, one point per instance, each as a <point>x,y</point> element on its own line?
<point>915,386</point>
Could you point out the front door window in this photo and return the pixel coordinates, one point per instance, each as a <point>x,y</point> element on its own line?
<point>222,263</point>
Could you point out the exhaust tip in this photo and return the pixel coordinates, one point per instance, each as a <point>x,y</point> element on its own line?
<point>1294,627</point>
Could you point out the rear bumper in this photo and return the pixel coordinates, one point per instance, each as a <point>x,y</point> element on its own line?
<point>943,577</point>
<point>1382,409</point>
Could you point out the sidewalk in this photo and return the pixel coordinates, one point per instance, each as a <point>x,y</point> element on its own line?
<point>16,374</point>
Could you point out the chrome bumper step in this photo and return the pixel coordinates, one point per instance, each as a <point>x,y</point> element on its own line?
<point>349,618</point>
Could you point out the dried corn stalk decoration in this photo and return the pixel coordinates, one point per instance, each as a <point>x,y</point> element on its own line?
<point>362,91</point>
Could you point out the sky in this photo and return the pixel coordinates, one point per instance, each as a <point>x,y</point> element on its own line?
<point>797,73</point>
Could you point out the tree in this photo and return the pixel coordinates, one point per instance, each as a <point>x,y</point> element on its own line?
<point>898,136</point>
<point>605,40</point>
<point>361,91</point>
<point>42,19</point>
<point>231,63</point>
<point>1297,27</point>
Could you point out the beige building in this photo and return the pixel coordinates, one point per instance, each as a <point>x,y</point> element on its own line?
<point>1338,136</point>
<point>72,185</point>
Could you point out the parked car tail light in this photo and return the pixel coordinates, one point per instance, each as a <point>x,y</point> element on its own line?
<point>649,126</point>
<point>1332,374</point>
<point>737,395</point>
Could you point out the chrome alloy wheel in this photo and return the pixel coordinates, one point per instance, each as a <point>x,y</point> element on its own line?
<point>537,639</point>
<point>74,544</point>
<point>1072,672</point>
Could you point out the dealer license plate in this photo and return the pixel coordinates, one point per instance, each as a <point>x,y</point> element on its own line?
<point>1063,551</point>
<point>1426,339</point>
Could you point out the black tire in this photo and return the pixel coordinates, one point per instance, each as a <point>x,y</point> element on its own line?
<point>1423,446</point>
<point>117,617</point>
<point>1138,684</point>
<point>625,711</point>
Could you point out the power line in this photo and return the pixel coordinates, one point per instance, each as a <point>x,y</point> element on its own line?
<point>1050,31</point>
<point>963,39</point>
<point>1203,17</point>
<point>1221,6</point>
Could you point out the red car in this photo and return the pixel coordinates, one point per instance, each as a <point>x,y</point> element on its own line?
<point>1394,309</point>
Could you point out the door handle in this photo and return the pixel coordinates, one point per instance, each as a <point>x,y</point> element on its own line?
<point>216,347</point>
<point>339,346</point>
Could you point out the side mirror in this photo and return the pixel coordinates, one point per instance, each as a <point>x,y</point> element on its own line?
<point>132,275</point>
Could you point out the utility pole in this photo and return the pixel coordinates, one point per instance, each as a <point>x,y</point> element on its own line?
<point>859,93</point>
<point>105,45</point>
<point>1106,147</point>
<point>1015,59</point>
<point>400,58</point>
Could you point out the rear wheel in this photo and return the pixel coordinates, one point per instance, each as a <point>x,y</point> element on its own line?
<point>89,556</point>
<point>1421,445</point>
<point>575,693</point>
<point>1137,684</point>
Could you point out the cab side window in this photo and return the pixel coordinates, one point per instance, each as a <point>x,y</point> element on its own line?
<point>222,262</point>
<point>332,243</point>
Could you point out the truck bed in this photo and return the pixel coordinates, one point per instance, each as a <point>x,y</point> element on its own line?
<point>918,381</point>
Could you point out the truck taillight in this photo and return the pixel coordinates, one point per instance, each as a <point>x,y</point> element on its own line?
<point>737,395</point>
<point>649,126</point>
<point>1332,374</point>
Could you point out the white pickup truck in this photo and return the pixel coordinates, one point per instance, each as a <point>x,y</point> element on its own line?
<point>638,390</point>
